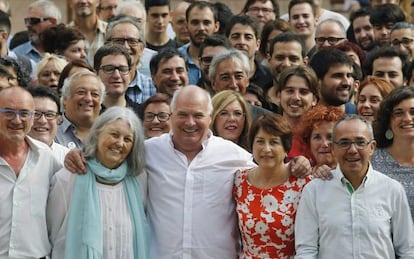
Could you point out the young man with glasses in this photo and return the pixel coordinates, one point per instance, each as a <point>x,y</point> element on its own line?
<point>26,169</point>
<point>113,64</point>
<point>352,215</point>
<point>40,15</point>
<point>126,31</point>
<point>46,119</point>
<point>107,9</point>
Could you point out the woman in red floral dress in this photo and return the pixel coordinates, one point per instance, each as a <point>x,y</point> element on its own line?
<point>267,196</point>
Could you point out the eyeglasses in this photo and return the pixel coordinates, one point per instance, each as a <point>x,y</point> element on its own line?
<point>108,8</point>
<point>206,60</point>
<point>49,115</point>
<point>346,143</point>
<point>10,114</point>
<point>162,116</point>
<point>110,69</point>
<point>131,41</point>
<point>331,40</point>
<point>34,20</point>
<point>227,114</point>
<point>255,9</point>
<point>403,41</point>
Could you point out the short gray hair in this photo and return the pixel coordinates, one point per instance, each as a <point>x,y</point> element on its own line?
<point>403,25</point>
<point>67,84</point>
<point>349,117</point>
<point>177,93</point>
<point>49,9</point>
<point>331,20</point>
<point>136,157</point>
<point>124,19</point>
<point>234,55</point>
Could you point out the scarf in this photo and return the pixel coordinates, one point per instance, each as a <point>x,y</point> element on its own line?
<point>84,238</point>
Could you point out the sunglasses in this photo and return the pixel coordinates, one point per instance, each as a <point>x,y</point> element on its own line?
<point>34,20</point>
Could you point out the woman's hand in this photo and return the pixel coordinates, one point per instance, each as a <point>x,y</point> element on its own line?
<point>300,167</point>
<point>75,161</point>
<point>323,172</point>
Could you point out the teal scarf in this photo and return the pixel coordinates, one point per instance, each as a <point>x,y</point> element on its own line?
<point>84,239</point>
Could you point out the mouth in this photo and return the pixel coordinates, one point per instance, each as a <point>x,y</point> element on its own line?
<point>86,107</point>
<point>408,126</point>
<point>40,129</point>
<point>156,129</point>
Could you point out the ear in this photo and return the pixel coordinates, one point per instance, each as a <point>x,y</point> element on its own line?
<point>277,97</point>
<point>53,21</point>
<point>257,44</point>
<point>305,60</point>
<point>216,26</point>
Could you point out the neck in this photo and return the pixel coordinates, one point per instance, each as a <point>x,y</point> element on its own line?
<point>193,53</point>
<point>111,101</point>
<point>355,179</point>
<point>402,151</point>
<point>265,178</point>
<point>157,39</point>
<point>322,102</point>
<point>293,121</point>
<point>309,43</point>
<point>9,148</point>
<point>252,67</point>
<point>4,51</point>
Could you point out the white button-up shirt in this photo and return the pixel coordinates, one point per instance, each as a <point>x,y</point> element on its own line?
<point>191,210</point>
<point>372,222</point>
<point>23,231</point>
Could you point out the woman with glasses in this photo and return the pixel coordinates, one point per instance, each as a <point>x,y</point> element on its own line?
<point>231,117</point>
<point>394,133</point>
<point>267,196</point>
<point>156,117</point>
<point>49,69</point>
<point>101,214</point>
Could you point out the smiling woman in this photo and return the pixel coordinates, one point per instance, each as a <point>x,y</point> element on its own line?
<point>81,207</point>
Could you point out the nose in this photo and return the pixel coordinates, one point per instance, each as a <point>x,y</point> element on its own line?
<point>83,54</point>
<point>296,95</point>
<point>286,62</point>
<point>326,44</point>
<point>325,142</point>
<point>174,76</point>
<point>233,83</point>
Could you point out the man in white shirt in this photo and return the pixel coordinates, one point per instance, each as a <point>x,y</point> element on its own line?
<point>360,213</point>
<point>26,167</point>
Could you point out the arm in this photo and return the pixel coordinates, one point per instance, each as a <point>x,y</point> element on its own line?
<point>306,226</point>
<point>300,166</point>
<point>323,172</point>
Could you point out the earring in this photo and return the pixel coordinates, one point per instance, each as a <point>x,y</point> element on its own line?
<point>389,134</point>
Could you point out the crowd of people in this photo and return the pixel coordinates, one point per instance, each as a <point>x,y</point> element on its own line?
<point>147,130</point>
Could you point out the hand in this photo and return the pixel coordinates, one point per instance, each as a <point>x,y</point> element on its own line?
<point>323,172</point>
<point>75,161</point>
<point>300,167</point>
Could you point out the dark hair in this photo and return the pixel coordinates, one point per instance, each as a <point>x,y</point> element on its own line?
<point>4,72</point>
<point>110,49</point>
<point>267,29</point>
<point>23,76</point>
<point>224,15</point>
<point>163,54</point>
<point>384,114</point>
<point>45,92</point>
<point>302,71</point>
<point>66,70</point>
<point>5,23</point>
<point>19,38</point>
<point>157,98</point>
<point>56,39</point>
<point>275,4</point>
<point>243,20</point>
<point>201,5</point>
<point>287,37</point>
<point>296,2</point>
<point>325,58</point>
<point>214,40</point>
<point>347,46</point>
<point>362,12</point>
<point>263,98</point>
<point>273,124</point>
<point>387,52</point>
<point>152,3</point>
<point>386,13</point>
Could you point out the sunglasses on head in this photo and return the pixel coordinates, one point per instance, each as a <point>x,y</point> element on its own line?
<point>34,20</point>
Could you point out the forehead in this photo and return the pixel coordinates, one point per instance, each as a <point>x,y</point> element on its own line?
<point>290,47</point>
<point>108,2</point>
<point>86,82</point>
<point>242,28</point>
<point>125,30</point>
<point>296,82</point>
<point>303,8</point>
<point>401,33</point>
<point>361,21</point>
<point>229,66</point>
<point>157,106</point>
<point>35,12</point>
<point>16,99</point>
<point>114,59</point>
<point>340,68</point>
<point>351,129</point>
<point>159,9</point>
<point>266,3</point>
<point>329,28</point>
<point>173,62</point>
<point>213,50</point>
<point>392,63</point>
<point>45,103</point>
<point>201,14</point>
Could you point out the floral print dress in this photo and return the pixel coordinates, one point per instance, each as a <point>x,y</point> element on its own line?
<point>267,217</point>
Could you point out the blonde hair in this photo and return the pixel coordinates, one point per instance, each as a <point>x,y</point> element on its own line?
<point>60,63</point>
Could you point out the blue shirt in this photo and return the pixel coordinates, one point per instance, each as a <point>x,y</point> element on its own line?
<point>28,50</point>
<point>141,88</point>
<point>194,72</point>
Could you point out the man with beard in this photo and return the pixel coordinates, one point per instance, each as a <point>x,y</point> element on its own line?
<point>40,15</point>
<point>87,21</point>
<point>125,31</point>
<point>335,73</point>
<point>243,34</point>
<point>169,71</point>
<point>202,22</point>
<point>362,29</point>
